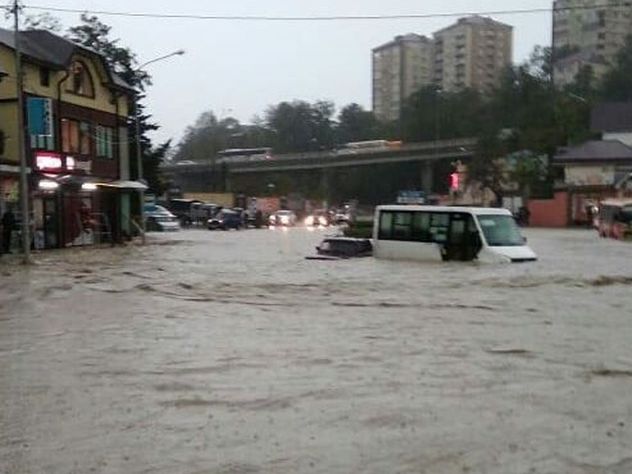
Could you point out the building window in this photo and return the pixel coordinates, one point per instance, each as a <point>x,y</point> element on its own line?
<point>80,80</point>
<point>44,74</point>
<point>75,136</point>
<point>105,141</point>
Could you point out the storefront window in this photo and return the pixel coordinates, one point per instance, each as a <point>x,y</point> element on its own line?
<point>75,136</point>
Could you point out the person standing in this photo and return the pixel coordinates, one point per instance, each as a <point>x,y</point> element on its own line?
<point>8,223</point>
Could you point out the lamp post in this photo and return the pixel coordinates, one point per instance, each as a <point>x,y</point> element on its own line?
<point>139,152</point>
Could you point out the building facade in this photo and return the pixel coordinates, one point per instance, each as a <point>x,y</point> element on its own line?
<point>588,33</point>
<point>400,68</point>
<point>76,141</point>
<point>593,171</point>
<point>472,54</point>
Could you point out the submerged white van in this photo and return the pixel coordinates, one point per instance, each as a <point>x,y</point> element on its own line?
<point>437,233</point>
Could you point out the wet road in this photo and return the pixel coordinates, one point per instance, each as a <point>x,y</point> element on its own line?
<point>229,353</point>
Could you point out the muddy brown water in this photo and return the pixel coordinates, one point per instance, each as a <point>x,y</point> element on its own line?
<point>227,352</point>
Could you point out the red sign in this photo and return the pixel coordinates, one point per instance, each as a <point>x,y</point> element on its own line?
<point>47,161</point>
<point>455,181</point>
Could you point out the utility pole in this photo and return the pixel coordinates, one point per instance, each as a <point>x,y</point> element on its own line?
<point>24,185</point>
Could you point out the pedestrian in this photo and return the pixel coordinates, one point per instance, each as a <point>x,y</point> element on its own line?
<point>8,223</point>
<point>523,216</point>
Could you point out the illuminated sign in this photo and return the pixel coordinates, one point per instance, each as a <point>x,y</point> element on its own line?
<point>53,162</point>
<point>48,161</point>
<point>455,181</point>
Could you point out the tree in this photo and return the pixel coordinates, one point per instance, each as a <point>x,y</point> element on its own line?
<point>42,21</point>
<point>431,114</point>
<point>299,126</point>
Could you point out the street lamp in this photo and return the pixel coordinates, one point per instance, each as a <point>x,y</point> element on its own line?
<point>139,153</point>
<point>139,158</point>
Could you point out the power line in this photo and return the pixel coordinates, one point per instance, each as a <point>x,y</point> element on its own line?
<point>402,16</point>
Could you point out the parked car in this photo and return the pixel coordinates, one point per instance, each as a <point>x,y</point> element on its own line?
<point>342,218</point>
<point>202,212</point>
<point>317,219</point>
<point>183,209</point>
<point>343,247</point>
<point>226,219</point>
<point>283,218</point>
<point>159,219</point>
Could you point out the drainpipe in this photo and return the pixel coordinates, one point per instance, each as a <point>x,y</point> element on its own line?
<point>59,148</point>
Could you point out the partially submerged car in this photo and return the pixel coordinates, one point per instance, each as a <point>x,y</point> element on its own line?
<point>226,219</point>
<point>282,218</point>
<point>317,219</point>
<point>159,219</point>
<point>334,248</point>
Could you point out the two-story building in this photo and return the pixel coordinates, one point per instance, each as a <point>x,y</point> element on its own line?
<point>77,145</point>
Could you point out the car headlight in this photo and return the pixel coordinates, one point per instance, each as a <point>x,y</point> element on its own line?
<point>322,220</point>
<point>285,220</point>
<point>309,221</point>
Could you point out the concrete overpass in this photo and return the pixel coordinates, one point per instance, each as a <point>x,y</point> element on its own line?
<point>240,174</point>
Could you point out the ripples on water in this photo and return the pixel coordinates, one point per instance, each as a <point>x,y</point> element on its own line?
<point>161,357</point>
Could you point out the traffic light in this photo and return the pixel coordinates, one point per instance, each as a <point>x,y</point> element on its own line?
<point>455,181</point>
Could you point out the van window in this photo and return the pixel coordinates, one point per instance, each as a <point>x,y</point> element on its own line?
<point>402,225</point>
<point>421,227</point>
<point>439,224</point>
<point>386,225</point>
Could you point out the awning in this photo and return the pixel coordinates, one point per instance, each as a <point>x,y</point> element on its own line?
<point>12,169</point>
<point>129,185</point>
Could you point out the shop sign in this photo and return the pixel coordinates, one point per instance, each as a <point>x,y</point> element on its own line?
<point>40,116</point>
<point>46,161</point>
<point>72,165</point>
<point>411,197</point>
<point>85,166</point>
<point>54,162</point>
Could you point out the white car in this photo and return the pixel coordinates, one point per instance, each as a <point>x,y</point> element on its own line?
<point>283,218</point>
<point>159,219</point>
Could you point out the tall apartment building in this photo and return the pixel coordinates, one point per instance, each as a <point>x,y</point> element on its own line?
<point>472,53</point>
<point>400,68</point>
<point>588,33</point>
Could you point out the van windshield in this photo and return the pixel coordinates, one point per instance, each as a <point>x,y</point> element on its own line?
<point>500,231</point>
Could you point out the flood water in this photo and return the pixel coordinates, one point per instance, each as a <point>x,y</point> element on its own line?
<point>227,352</point>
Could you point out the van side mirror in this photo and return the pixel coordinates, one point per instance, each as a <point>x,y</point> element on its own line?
<point>524,240</point>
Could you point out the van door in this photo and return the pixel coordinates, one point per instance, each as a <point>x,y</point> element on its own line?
<point>456,248</point>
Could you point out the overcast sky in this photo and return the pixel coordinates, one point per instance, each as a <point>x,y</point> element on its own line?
<point>238,68</point>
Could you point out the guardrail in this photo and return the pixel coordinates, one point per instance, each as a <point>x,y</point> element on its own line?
<point>453,145</point>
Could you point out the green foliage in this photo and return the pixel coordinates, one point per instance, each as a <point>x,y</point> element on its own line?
<point>431,114</point>
<point>356,124</point>
<point>296,126</point>
<point>42,21</point>
<point>299,126</point>
<point>95,34</point>
<point>208,135</point>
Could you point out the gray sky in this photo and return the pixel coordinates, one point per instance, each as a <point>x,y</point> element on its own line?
<point>239,68</point>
